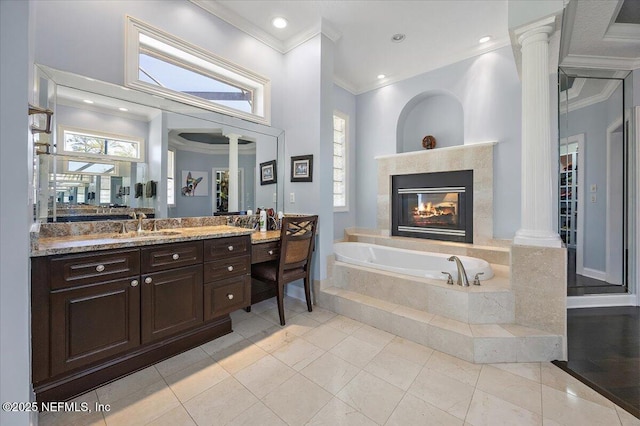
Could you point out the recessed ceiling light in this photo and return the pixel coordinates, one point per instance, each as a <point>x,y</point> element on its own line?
<point>484,39</point>
<point>123,109</point>
<point>381,76</point>
<point>87,101</point>
<point>397,38</point>
<point>279,22</point>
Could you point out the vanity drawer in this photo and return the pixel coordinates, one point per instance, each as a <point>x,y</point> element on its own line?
<point>226,268</point>
<point>222,248</point>
<point>81,269</point>
<point>226,296</point>
<point>169,256</point>
<point>265,252</point>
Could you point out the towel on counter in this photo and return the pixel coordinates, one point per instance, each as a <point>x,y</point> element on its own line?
<point>138,190</point>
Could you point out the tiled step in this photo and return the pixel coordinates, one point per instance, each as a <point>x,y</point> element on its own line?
<point>490,303</point>
<point>479,343</point>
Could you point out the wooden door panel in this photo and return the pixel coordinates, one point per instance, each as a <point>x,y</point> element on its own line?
<point>171,302</point>
<point>92,323</point>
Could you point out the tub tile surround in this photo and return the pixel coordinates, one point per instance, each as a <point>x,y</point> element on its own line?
<point>496,322</point>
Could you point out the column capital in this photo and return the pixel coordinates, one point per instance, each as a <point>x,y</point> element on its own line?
<point>535,34</point>
<point>544,27</point>
<point>233,136</point>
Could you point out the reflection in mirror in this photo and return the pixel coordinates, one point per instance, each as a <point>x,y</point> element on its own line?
<point>117,147</point>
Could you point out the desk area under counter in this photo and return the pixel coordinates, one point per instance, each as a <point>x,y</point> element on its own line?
<point>106,305</point>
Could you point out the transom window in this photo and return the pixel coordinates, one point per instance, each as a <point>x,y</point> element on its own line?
<point>162,64</point>
<point>340,161</point>
<point>87,143</point>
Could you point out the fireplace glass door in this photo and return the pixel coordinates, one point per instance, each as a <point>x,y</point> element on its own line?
<point>428,208</point>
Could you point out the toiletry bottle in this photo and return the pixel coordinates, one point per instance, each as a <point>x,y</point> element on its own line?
<point>263,220</point>
<point>280,216</point>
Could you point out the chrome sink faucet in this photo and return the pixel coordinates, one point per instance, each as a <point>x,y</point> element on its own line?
<point>462,274</point>
<point>140,216</point>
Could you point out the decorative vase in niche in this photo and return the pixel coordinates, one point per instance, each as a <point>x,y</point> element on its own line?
<point>428,142</point>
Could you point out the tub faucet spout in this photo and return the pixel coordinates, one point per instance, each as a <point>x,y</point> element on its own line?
<point>462,274</point>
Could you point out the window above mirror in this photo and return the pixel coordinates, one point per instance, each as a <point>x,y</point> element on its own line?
<point>88,143</point>
<point>161,64</point>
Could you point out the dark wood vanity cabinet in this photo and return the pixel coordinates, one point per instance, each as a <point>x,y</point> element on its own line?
<point>171,302</point>
<point>98,316</point>
<point>94,322</point>
<point>227,275</point>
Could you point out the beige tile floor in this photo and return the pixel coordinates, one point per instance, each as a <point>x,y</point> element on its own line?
<point>326,369</point>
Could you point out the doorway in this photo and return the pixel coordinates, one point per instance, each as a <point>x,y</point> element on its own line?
<point>221,197</point>
<point>592,181</point>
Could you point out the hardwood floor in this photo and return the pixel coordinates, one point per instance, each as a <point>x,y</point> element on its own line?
<point>604,352</point>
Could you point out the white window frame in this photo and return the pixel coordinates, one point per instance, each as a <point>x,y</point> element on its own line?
<point>61,145</point>
<point>345,168</point>
<point>171,175</point>
<point>104,178</point>
<point>199,60</point>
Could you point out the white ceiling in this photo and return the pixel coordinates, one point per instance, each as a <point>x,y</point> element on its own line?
<point>592,39</point>
<point>437,32</point>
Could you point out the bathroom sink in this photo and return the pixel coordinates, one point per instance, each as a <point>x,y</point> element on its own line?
<point>142,234</point>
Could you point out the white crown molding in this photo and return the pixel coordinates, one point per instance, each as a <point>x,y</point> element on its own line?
<point>600,97</point>
<point>623,32</point>
<point>344,84</point>
<point>601,62</point>
<point>205,148</point>
<point>442,62</point>
<point>241,23</point>
<point>575,90</point>
<point>227,15</point>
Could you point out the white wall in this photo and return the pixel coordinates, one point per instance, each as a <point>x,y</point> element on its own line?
<point>16,211</point>
<point>345,102</point>
<point>489,90</point>
<point>308,121</point>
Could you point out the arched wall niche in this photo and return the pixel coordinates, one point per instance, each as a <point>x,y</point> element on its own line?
<point>435,112</point>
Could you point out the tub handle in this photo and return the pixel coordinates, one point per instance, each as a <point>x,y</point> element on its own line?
<point>449,278</point>
<point>476,279</point>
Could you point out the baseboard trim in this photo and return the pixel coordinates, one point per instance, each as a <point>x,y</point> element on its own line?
<point>595,274</point>
<point>601,301</point>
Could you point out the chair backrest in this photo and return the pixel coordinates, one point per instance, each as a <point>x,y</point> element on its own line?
<point>296,241</point>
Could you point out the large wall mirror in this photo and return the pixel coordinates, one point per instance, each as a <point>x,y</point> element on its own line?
<point>113,148</point>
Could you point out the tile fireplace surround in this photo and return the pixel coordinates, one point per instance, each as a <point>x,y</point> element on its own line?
<point>477,157</point>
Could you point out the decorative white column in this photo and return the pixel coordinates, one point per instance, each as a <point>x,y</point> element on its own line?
<point>233,172</point>
<point>537,166</point>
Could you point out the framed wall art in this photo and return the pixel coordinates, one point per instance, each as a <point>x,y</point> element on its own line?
<point>302,168</point>
<point>268,173</point>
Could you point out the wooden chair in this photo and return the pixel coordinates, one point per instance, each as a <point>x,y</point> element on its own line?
<point>296,248</point>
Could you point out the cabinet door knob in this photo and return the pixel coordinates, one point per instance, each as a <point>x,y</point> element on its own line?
<point>176,256</point>
<point>230,296</point>
<point>100,268</point>
<point>230,248</point>
<point>229,268</point>
<point>270,252</point>
<point>148,280</point>
<point>134,283</point>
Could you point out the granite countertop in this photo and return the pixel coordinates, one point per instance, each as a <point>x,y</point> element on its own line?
<point>265,237</point>
<point>51,245</point>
